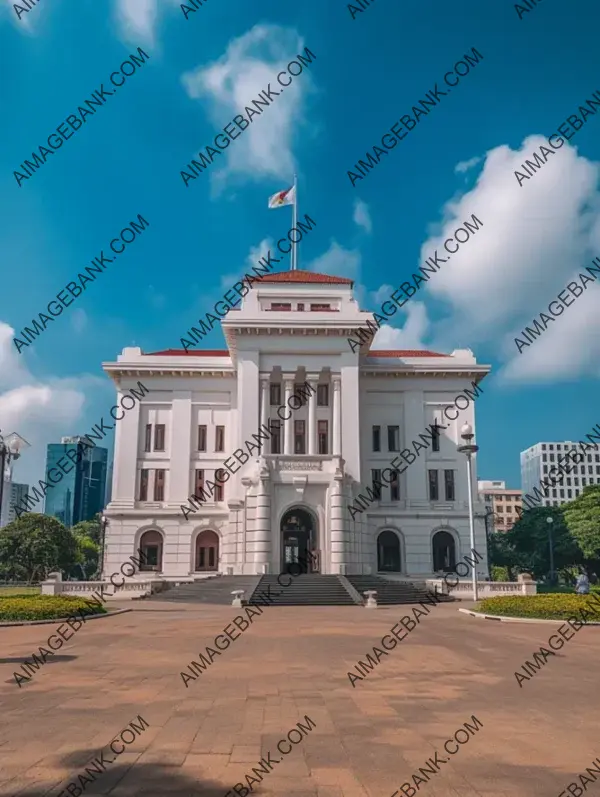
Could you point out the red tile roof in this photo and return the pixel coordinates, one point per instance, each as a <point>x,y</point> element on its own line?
<point>196,353</point>
<point>307,277</point>
<point>405,353</point>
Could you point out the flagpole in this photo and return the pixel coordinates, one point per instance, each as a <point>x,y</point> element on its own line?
<point>294,217</point>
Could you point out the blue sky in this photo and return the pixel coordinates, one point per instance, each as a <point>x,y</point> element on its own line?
<point>368,72</point>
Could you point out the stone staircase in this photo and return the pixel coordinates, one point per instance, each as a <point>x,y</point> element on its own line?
<point>216,590</point>
<point>307,589</point>
<point>391,592</point>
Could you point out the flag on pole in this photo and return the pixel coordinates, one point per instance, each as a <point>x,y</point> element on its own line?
<point>281,198</point>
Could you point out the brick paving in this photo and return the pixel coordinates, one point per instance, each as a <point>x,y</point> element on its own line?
<point>290,663</point>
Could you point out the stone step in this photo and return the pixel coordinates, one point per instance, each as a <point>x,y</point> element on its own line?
<point>211,590</point>
<point>391,592</point>
<point>306,589</point>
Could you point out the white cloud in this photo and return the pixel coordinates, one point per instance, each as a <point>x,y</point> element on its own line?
<point>254,255</point>
<point>40,411</point>
<point>229,84</point>
<point>534,239</point>
<point>378,297</point>
<point>412,334</point>
<point>362,217</point>
<point>137,20</point>
<point>337,261</point>
<point>464,166</point>
<point>79,320</point>
<point>569,348</point>
<point>28,20</point>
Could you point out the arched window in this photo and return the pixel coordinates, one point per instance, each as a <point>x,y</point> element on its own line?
<point>207,550</point>
<point>444,552</point>
<point>388,552</point>
<point>151,545</point>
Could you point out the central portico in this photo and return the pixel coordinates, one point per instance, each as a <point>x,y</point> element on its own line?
<point>337,415</point>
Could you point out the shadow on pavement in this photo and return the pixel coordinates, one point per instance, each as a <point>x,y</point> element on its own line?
<point>126,780</point>
<point>49,660</point>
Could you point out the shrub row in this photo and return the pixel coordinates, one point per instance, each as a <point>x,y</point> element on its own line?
<point>551,606</point>
<point>44,607</point>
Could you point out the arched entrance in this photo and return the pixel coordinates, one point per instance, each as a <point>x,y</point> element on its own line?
<point>444,552</point>
<point>207,550</point>
<point>151,546</point>
<point>298,542</point>
<point>388,552</point>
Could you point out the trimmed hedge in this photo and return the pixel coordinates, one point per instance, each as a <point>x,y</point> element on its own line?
<point>551,606</point>
<point>45,607</point>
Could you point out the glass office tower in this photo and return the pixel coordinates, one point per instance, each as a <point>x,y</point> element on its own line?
<point>80,494</point>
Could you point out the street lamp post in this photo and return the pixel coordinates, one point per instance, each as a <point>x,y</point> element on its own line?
<point>10,449</point>
<point>550,521</point>
<point>469,448</point>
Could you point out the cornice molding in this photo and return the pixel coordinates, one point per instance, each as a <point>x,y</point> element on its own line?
<point>426,371</point>
<point>176,370</point>
<point>327,330</point>
<point>364,371</point>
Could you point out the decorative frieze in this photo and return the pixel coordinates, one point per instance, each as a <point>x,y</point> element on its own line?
<point>299,464</point>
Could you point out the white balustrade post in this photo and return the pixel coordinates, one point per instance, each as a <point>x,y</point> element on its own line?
<point>238,596</point>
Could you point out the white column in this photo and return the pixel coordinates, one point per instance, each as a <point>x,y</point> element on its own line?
<point>288,434</point>
<point>180,478</point>
<point>337,417</point>
<point>248,392</point>
<point>262,532</point>
<point>312,415</point>
<point>414,479</point>
<point>349,414</point>
<point>127,446</point>
<point>264,401</point>
<point>336,526</point>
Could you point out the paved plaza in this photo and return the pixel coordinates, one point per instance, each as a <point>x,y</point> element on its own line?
<point>291,663</point>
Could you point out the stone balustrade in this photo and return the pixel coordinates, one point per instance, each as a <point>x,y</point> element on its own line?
<point>486,589</point>
<point>83,589</point>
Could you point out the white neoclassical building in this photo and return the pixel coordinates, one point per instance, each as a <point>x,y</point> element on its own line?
<point>301,491</point>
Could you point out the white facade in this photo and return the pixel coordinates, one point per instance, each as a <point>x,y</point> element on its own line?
<point>540,458</point>
<point>311,492</point>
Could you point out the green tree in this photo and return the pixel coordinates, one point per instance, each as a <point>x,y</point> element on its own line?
<point>582,517</point>
<point>33,546</point>
<point>89,528</point>
<point>502,555</point>
<point>88,555</point>
<point>529,538</point>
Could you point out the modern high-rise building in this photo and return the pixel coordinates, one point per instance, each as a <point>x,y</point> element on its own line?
<point>12,494</point>
<point>81,492</point>
<point>541,458</point>
<point>503,505</point>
